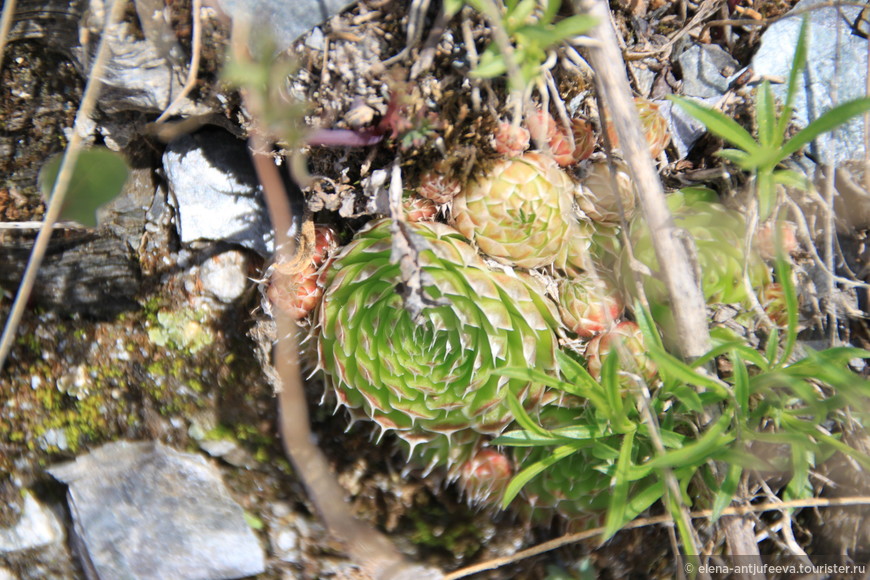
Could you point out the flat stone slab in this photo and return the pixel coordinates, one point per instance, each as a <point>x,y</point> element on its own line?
<point>145,511</point>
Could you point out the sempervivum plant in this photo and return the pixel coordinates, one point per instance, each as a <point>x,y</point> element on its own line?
<point>718,234</point>
<point>520,212</point>
<point>654,125</point>
<point>587,305</point>
<point>434,381</point>
<point>627,341</point>
<point>599,199</point>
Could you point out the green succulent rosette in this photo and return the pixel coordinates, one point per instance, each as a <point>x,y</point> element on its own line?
<point>718,233</point>
<point>434,382</point>
<point>520,213</point>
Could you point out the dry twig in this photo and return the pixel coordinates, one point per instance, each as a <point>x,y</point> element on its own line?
<point>58,194</point>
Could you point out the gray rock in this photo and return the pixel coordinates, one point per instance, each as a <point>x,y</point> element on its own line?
<point>139,78</point>
<point>288,20</point>
<point>225,276</point>
<point>215,192</point>
<point>143,511</point>
<point>7,574</point>
<point>832,57</point>
<point>37,527</point>
<point>685,129</point>
<point>707,70</point>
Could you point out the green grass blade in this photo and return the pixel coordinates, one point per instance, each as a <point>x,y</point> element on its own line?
<point>727,490</point>
<point>766,191</point>
<point>827,122</point>
<point>535,469</point>
<point>797,67</point>
<point>698,452</point>
<point>719,124</point>
<point>523,418</point>
<point>641,500</point>
<point>741,384</point>
<point>765,115</point>
<point>783,276</point>
<point>671,367</point>
<point>573,26</point>
<point>619,497</point>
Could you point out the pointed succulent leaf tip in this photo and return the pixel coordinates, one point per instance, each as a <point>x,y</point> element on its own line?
<point>519,213</point>
<point>435,383</point>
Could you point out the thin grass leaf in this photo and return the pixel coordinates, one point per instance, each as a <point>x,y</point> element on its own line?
<point>613,393</point>
<point>747,353</point>
<point>523,418</point>
<point>791,179</point>
<point>647,325</point>
<point>619,497</point>
<point>741,384</point>
<point>672,367</point>
<point>827,122</point>
<point>772,346</point>
<point>688,397</point>
<point>765,189</point>
<point>520,13</point>
<point>783,276</point>
<point>739,158</point>
<point>799,485</point>
<point>765,115</point>
<point>698,452</point>
<point>551,9</point>
<point>535,469</point>
<point>861,458</point>
<point>573,26</point>
<point>719,124</point>
<point>797,66</point>
<point>524,438</point>
<point>491,65</point>
<point>727,490</point>
<point>642,500</point>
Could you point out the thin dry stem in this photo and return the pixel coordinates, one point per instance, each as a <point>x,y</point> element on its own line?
<point>655,521</point>
<point>196,50</point>
<point>5,27</point>
<point>58,193</point>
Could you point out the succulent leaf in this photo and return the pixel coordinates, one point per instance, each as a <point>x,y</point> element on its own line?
<point>435,383</point>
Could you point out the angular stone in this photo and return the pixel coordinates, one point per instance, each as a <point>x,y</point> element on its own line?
<point>707,69</point>
<point>145,511</point>
<point>37,527</point>
<point>287,20</point>
<point>214,188</point>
